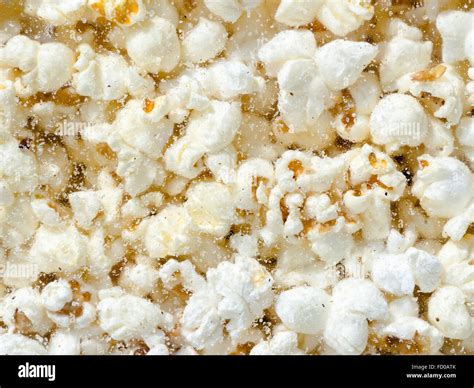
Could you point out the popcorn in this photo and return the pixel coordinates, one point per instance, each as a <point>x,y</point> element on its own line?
<point>64,343</point>
<point>323,240</point>
<point>213,215</point>
<point>303,309</point>
<point>344,16</point>
<point>443,180</point>
<point>297,13</point>
<point>297,265</point>
<point>24,310</point>
<point>398,120</point>
<point>465,135</point>
<point>236,176</point>
<point>442,82</point>
<point>144,131</point>
<point>85,206</point>
<point>182,156</point>
<point>365,92</point>
<point>230,10</point>
<point>346,332</point>
<point>12,116</point>
<point>287,45</point>
<point>167,233</point>
<point>407,328</point>
<point>56,294</point>
<point>140,279</point>
<point>153,45</point>
<point>206,40</point>
<point>125,317</point>
<point>17,344</point>
<point>236,292</point>
<point>303,94</point>
<point>44,67</point>
<point>341,62</point>
<point>359,296</point>
<point>58,250</point>
<point>18,168</point>
<point>94,76</point>
<point>57,12</point>
<point>448,313</point>
<point>281,344</point>
<point>457,226</point>
<point>398,273</point>
<point>456,29</point>
<point>228,79</point>
<point>404,53</point>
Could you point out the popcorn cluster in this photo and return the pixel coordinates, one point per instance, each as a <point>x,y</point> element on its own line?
<point>259,177</point>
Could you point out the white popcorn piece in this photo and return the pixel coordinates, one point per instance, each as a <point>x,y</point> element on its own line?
<point>228,79</point>
<point>85,206</point>
<point>441,141</point>
<point>123,12</point>
<point>448,86</point>
<point>25,304</point>
<point>281,344</point>
<point>12,115</point>
<point>320,208</point>
<point>405,306</point>
<point>297,13</point>
<point>211,214</point>
<point>223,164</point>
<point>457,226</point>
<point>208,131</point>
<point>230,10</point>
<point>245,290</point>
<point>406,328</point>
<point>346,332</point>
<point>19,345</point>
<point>303,309</point>
<point>142,129</point>
<point>139,279</point>
<point>366,92</point>
<point>153,45</point>
<point>58,250</point>
<point>404,53</point>
<point>341,62</point>
<point>45,67</point>
<point>201,323</point>
<point>398,273</point>
<point>333,242</point>
<point>344,16</point>
<point>448,313</point>
<point>174,273</point>
<point>206,40</point>
<point>45,213</point>
<point>303,94</point>
<point>465,136</point>
<point>360,296</point>
<point>17,168</point>
<point>287,45</point>
<point>125,317</point>
<point>168,232</point>
<point>456,29</point>
<point>298,266</point>
<point>57,12</point>
<point>443,180</point>
<point>398,120</point>
<point>64,343</point>
<point>56,294</point>
<point>107,76</point>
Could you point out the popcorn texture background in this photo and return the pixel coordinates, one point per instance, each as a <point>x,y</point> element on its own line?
<point>236,177</point>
